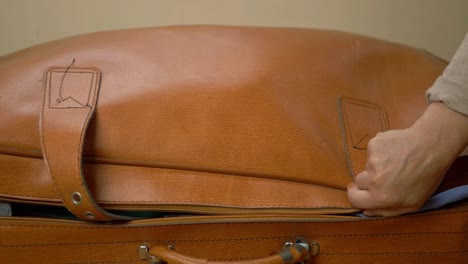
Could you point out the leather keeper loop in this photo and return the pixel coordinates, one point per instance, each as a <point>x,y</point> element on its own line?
<point>70,98</point>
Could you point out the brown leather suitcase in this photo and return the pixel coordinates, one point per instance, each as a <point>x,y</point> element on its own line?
<point>201,144</point>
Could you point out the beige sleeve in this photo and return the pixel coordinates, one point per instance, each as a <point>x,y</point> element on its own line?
<point>452,87</point>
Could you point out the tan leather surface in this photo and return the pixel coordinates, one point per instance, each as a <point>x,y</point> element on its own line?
<point>361,121</point>
<point>70,99</point>
<point>172,257</point>
<point>256,104</point>
<point>152,192</point>
<point>438,237</point>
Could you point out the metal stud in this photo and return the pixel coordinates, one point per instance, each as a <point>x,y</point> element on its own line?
<point>76,198</point>
<point>89,215</point>
<point>143,251</point>
<point>288,244</point>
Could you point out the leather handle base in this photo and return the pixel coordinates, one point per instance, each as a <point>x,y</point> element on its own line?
<point>296,252</point>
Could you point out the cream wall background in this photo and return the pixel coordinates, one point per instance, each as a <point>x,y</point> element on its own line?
<point>435,25</point>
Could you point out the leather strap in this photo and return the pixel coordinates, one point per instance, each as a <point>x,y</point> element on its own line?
<point>360,120</point>
<point>70,98</point>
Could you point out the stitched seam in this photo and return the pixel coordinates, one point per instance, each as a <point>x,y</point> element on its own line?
<point>177,202</point>
<point>348,131</point>
<point>165,202</point>
<point>394,253</point>
<point>202,224</point>
<point>16,196</point>
<point>233,239</point>
<point>262,177</point>
<point>363,253</point>
<point>147,227</point>
<point>367,104</point>
<point>92,206</point>
<point>105,262</point>
<point>93,73</point>
<point>345,128</point>
<point>47,83</point>
<point>154,241</point>
<point>361,103</point>
<point>395,234</point>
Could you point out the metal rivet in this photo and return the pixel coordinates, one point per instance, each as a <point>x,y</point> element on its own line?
<point>76,198</point>
<point>143,251</point>
<point>89,215</point>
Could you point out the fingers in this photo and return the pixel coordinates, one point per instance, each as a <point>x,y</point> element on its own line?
<point>362,180</point>
<point>387,212</point>
<point>395,181</point>
<point>361,198</point>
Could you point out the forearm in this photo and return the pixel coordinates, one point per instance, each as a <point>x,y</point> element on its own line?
<point>444,129</point>
<point>452,87</point>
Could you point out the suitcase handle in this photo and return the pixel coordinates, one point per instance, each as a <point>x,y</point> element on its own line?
<point>296,252</point>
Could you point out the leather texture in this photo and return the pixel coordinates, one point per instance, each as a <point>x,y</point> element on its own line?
<point>436,237</point>
<point>209,118</point>
<point>360,122</point>
<point>70,99</point>
<point>288,255</point>
<point>257,131</point>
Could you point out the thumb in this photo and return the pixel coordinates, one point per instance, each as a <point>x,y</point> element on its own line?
<point>360,198</point>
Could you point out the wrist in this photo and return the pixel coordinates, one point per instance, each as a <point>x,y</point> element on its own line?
<point>444,129</point>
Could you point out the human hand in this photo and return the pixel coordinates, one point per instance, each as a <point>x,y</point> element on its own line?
<point>404,167</point>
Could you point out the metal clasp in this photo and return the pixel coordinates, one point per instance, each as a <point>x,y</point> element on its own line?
<point>312,248</point>
<point>143,251</point>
